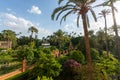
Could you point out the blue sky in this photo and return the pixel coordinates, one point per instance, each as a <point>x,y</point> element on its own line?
<point>19,15</point>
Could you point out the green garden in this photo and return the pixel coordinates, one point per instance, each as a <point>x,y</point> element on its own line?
<point>92,55</point>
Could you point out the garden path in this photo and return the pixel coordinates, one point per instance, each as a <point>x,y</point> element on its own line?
<point>18,71</point>
<point>5,76</point>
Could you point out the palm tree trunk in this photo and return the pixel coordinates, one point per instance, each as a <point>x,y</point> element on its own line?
<point>116,31</point>
<point>106,34</point>
<point>31,36</point>
<point>87,45</point>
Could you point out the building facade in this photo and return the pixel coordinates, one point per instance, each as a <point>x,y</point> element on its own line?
<point>6,44</point>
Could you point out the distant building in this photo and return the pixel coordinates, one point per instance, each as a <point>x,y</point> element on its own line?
<point>45,45</point>
<point>5,44</point>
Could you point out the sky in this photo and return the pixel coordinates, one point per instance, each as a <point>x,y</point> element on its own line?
<point>19,15</point>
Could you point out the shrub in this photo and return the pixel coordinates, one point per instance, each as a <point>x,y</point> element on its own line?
<point>77,56</point>
<point>71,70</point>
<point>94,54</point>
<point>47,66</point>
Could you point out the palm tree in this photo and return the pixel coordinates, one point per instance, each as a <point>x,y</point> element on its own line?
<point>111,4</point>
<point>32,29</point>
<point>103,14</point>
<point>80,8</point>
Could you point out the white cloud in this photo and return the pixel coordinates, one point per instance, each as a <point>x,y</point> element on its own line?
<point>34,10</point>
<point>19,24</point>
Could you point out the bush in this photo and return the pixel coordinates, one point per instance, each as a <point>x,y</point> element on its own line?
<point>77,56</point>
<point>94,54</point>
<point>47,66</point>
<point>25,52</point>
<point>71,70</point>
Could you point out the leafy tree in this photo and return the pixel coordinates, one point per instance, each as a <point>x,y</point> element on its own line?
<point>103,14</point>
<point>25,52</point>
<point>10,35</point>
<point>101,39</point>
<point>110,3</point>
<point>32,29</point>
<point>59,39</point>
<point>80,8</point>
<point>47,66</point>
<point>23,40</point>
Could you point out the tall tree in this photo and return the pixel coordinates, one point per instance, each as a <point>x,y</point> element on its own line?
<point>111,4</point>
<point>103,14</point>
<point>80,8</point>
<point>33,30</point>
<point>59,39</point>
<point>10,35</point>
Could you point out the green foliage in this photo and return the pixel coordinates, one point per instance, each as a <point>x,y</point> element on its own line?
<point>6,68</point>
<point>5,57</point>
<point>47,66</point>
<point>94,54</point>
<point>38,78</point>
<point>44,78</point>
<point>107,66</point>
<point>59,39</point>
<point>23,40</point>
<point>77,56</point>
<point>32,29</point>
<point>25,52</point>
<point>9,35</point>
<point>62,59</point>
<point>47,50</point>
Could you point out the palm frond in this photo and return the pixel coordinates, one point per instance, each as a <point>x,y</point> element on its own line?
<point>62,12</point>
<point>64,17</point>
<point>91,1</point>
<point>93,14</point>
<point>59,2</point>
<point>56,11</point>
<point>60,9</point>
<point>102,4</point>
<point>78,18</point>
<point>87,20</point>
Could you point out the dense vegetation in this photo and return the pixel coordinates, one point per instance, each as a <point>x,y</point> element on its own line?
<point>92,56</point>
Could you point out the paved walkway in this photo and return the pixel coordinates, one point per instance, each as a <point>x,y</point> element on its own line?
<point>5,76</point>
<point>8,75</point>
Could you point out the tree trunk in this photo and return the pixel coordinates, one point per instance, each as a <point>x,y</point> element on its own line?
<point>87,45</point>
<point>106,35</point>
<point>116,31</point>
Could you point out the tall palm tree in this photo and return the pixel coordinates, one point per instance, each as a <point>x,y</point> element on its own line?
<point>32,29</point>
<point>103,14</point>
<point>80,8</point>
<point>111,4</point>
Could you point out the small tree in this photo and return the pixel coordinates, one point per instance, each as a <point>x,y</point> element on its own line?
<point>47,66</point>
